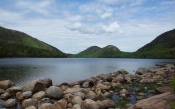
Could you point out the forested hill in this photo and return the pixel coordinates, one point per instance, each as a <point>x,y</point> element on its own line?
<point>162,46</point>
<point>109,51</point>
<point>18,44</point>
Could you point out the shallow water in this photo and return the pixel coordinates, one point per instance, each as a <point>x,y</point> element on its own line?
<point>23,70</point>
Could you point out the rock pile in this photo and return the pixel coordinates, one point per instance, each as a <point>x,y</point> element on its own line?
<point>93,93</point>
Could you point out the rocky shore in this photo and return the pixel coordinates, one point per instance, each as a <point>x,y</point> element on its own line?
<point>146,89</point>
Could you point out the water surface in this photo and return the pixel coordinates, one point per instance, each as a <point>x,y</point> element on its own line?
<point>23,70</point>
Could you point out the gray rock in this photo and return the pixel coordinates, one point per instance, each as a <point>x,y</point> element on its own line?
<point>76,106</point>
<point>2,91</point>
<point>24,95</point>
<point>89,104</point>
<point>54,92</point>
<point>141,71</point>
<point>10,103</point>
<point>46,106</point>
<point>77,100</point>
<point>39,95</point>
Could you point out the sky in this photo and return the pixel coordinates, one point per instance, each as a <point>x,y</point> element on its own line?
<point>74,25</point>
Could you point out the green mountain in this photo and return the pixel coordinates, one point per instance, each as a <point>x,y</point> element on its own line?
<point>109,51</point>
<point>162,46</point>
<point>18,44</point>
<point>88,52</point>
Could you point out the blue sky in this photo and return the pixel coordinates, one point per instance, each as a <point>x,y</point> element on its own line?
<point>74,25</point>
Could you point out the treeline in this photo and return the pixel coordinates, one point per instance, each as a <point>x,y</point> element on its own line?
<point>17,50</point>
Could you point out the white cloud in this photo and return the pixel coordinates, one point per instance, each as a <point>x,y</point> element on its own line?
<point>105,15</point>
<point>112,28</point>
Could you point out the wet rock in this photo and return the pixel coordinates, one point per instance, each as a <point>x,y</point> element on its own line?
<point>141,71</point>
<point>74,83</point>
<point>39,95</point>
<point>29,102</point>
<point>77,100</point>
<point>76,106</point>
<point>13,90</point>
<point>10,103</point>
<point>89,104</point>
<point>61,104</point>
<point>163,89</point>
<point>46,106</point>
<point>23,95</point>
<point>5,84</point>
<point>54,92</point>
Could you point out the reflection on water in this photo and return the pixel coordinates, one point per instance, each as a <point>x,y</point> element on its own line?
<point>22,70</point>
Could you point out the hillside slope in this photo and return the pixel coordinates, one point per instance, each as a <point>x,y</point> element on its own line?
<point>18,44</point>
<point>162,46</point>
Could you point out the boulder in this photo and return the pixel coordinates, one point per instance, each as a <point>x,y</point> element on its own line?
<point>2,91</point>
<point>90,95</point>
<point>77,100</point>
<point>46,106</point>
<point>119,78</point>
<point>89,104</point>
<point>47,82</point>
<point>155,102</point>
<point>34,86</point>
<point>147,80</point>
<point>29,102</point>
<point>76,106</point>
<point>31,107</point>
<point>80,94</point>
<point>85,84</point>
<point>68,97</point>
<point>61,104</point>
<point>39,95</point>
<point>5,95</point>
<point>54,92</point>
<point>5,84</point>
<point>10,103</point>
<point>141,71</point>
<point>107,104</point>
<point>23,95</point>
<point>163,89</point>
<point>102,86</point>
<point>13,90</point>
<point>73,90</point>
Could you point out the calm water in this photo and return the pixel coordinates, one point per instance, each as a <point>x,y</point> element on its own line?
<point>22,70</point>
